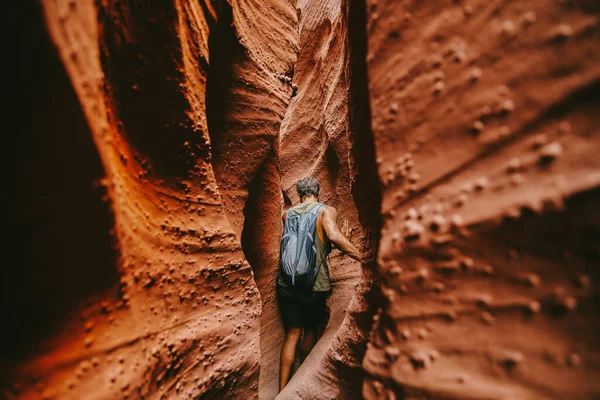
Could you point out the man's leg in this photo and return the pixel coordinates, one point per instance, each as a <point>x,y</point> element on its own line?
<point>308,341</point>
<point>315,314</point>
<point>288,352</point>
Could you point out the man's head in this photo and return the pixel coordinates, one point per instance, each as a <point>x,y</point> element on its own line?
<point>308,187</point>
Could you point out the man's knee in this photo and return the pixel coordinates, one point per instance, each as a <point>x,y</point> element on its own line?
<point>294,333</point>
<point>311,330</point>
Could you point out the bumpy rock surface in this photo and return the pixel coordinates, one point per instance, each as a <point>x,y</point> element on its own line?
<point>184,104</point>
<point>457,139</point>
<point>486,131</point>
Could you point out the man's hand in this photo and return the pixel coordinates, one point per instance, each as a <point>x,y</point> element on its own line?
<point>346,230</point>
<point>334,234</point>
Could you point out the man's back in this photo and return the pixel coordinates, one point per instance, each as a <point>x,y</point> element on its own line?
<point>322,245</point>
<point>327,229</point>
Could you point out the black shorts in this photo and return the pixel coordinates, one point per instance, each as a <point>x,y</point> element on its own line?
<point>302,309</point>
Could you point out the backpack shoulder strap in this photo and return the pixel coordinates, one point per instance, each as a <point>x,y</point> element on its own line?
<point>290,213</point>
<point>317,208</point>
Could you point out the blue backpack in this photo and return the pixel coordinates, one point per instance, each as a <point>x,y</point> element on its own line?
<point>298,251</point>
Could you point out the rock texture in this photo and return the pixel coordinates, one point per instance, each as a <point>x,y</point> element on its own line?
<point>484,120</point>
<point>457,139</point>
<point>182,319</point>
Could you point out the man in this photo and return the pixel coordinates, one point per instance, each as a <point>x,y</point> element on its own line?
<point>305,308</point>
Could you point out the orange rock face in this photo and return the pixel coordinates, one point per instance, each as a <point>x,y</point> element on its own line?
<point>457,141</point>
<point>486,140</point>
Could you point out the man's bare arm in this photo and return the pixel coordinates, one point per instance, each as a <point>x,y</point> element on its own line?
<point>335,236</point>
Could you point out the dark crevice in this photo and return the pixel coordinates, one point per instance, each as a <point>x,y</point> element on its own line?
<point>142,59</point>
<point>262,219</point>
<point>59,243</point>
<point>331,169</point>
<point>366,190</point>
<point>287,203</point>
<point>223,45</point>
<point>260,243</point>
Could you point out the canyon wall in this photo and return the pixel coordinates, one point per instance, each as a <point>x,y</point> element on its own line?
<point>157,85</point>
<point>456,139</point>
<point>486,134</point>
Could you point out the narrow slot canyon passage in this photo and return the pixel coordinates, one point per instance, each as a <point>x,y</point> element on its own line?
<point>323,145</point>
<point>260,242</point>
<point>317,144</point>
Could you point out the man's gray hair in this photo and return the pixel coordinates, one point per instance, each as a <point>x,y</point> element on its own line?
<point>308,187</point>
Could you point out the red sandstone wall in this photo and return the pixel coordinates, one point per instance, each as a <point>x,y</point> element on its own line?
<point>184,320</point>
<point>486,131</point>
<point>475,120</point>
